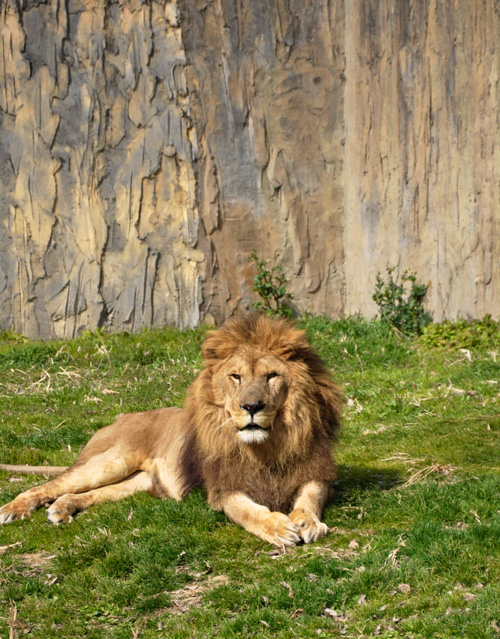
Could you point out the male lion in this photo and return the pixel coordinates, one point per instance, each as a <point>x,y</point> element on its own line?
<point>256,431</point>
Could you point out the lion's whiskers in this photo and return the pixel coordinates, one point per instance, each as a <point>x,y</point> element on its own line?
<point>226,421</point>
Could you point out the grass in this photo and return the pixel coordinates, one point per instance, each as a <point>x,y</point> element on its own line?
<point>413,548</point>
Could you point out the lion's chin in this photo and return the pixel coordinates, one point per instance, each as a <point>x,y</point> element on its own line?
<point>253,435</point>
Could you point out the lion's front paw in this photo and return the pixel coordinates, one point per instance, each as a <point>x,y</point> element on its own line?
<point>280,530</point>
<point>309,526</point>
<point>16,509</point>
<point>62,510</point>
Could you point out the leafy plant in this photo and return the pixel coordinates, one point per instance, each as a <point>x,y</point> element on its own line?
<point>10,336</point>
<point>270,284</point>
<point>402,309</point>
<point>462,334</point>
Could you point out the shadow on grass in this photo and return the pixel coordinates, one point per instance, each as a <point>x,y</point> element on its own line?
<point>353,481</point>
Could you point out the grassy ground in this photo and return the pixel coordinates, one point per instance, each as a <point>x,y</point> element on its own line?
<point>414,542</point>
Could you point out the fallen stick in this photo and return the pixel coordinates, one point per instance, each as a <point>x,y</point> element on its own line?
<point>33,470</point>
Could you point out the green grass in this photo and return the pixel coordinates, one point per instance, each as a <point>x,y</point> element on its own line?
<point>414,542</point>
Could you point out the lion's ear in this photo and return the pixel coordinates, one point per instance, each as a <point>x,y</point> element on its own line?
<point>224,341</point>
<point>215,347</point>
<point>291,343</point>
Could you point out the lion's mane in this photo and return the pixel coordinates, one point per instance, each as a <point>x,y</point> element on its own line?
<point>299,447</point>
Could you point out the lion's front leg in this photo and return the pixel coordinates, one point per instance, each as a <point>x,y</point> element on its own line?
<point>307,509</point>
<point>273,527</point>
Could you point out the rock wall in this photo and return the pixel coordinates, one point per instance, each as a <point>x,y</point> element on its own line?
<point>97,153</point>
<point>147,148</point>
<point>422,150</point>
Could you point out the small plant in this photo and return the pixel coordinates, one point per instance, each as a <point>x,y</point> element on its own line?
<point>10,336</point>
<point>399,308</point>
<point>270,284</point>
<point>483,333</point>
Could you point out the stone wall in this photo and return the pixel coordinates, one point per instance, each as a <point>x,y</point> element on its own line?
<point>147,148</point>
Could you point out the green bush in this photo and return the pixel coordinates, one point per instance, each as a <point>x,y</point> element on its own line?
<point>402,309</point>
<point>270,284</point>
<point>462,334</point>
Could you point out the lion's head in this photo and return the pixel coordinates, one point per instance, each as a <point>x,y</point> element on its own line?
<point>264,390</point>
<point>252,385</point>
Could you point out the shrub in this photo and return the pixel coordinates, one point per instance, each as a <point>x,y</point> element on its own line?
<point>399,308</point>
<point>462,334</point>
<point>270,284</point>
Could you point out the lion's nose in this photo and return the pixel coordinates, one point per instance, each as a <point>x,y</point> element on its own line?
<point>253,408</point>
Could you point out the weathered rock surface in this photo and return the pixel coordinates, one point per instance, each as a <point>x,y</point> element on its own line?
<point>147,148</point>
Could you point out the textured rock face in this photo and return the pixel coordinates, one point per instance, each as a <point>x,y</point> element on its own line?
<point>147,148</point>
<point>421,150</point>
<point>98,149</point>
<point>266,82</point>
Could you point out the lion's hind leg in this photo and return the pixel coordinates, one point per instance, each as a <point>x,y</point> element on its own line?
<point>20,507</point>
<point>63,509</point>
<point>99,470</point>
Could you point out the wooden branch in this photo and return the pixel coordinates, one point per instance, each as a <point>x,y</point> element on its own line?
<point>33,470</point>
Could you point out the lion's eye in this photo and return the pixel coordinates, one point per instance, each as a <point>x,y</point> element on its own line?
<point>236,377</point>
<point>272,376</point>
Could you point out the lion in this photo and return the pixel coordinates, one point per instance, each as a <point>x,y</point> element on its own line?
<point>256,431</point>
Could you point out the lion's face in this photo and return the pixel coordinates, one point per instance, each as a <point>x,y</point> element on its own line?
<point>252,386</point>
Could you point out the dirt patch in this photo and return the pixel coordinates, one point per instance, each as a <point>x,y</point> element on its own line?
<point>192,595</point>
<point>35,560</point>
<point>31,564</point>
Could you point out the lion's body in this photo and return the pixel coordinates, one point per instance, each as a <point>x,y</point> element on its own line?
<point>256,431</point>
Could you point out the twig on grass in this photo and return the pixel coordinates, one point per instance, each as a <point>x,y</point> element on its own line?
<point>8,546</point>
<point>423,473</point>
<point>33,470</point>
<point>12,620</point>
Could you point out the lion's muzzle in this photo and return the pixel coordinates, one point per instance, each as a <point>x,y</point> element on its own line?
<point>253,433</point>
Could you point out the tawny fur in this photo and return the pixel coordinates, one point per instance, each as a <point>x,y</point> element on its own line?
<point>257,431</point>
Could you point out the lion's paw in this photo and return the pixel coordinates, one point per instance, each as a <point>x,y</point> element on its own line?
<point>62,510</point>
<point>280,530</point>
<point>309,526</point>
<point>16,509</point>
